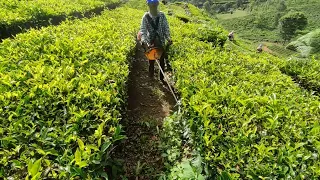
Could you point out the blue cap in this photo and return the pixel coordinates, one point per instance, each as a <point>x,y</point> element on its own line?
<point>152,1</point>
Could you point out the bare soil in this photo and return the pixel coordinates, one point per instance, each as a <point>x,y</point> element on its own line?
<point>149,102</point>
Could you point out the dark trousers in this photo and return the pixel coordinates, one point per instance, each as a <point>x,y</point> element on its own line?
<point>162,65</point>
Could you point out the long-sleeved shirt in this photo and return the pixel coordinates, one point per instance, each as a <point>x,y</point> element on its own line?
<point>147,31</point>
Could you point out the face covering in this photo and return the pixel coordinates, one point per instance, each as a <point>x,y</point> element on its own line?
<point>153,8</point>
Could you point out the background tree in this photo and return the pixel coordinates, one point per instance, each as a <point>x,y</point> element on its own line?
<point>239,3</point>
<point>207,6</point>
<point>290,23</point>
<point>276,19</point>
<point>282,6</point>
<point>228,6</point>
<point>260,20</point>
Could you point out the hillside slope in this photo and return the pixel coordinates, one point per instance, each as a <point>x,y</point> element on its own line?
<point>261,23</point>
<point>307,44</point>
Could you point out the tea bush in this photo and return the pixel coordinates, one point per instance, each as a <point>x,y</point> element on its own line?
<point>62,94</point>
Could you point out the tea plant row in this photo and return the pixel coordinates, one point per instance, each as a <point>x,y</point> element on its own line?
<point>305,72</point>
<point>14,13</point>
<point>62,94</point>
<point>249,119</point>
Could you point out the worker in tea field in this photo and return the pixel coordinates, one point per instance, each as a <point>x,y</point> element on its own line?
<point>231,36</point>
<point>259,48</point>
<point>155,32</point>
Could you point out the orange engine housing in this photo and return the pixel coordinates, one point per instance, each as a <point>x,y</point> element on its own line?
<point>154,53</point>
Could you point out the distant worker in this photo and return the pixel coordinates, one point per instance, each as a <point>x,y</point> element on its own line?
<point>154,33</point>
<point>231,36</point>
<point>259,48</point>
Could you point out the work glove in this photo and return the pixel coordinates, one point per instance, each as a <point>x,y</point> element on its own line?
<point>150,45</point>
<point>145,46</point>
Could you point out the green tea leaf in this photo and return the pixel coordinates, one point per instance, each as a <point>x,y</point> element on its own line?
<point>187,170</point>
<point>99,131</point>
<point>37,176</point>
<point>40,151</point>
<point>81,144</point>
<point>77,156</point>
<point>17,164</point>
<point>105,146</point>
<point>33,168</point>
<point>82,164</point>
<point>104,175</point>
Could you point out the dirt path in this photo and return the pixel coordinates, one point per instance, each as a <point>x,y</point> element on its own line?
<point>149,103</point>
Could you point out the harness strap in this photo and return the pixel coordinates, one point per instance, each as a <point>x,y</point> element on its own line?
<point>154,26</point>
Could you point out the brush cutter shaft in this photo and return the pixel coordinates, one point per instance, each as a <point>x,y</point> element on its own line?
<point>167,80</point>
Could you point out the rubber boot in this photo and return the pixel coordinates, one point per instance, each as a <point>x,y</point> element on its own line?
<point>151,69</point>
